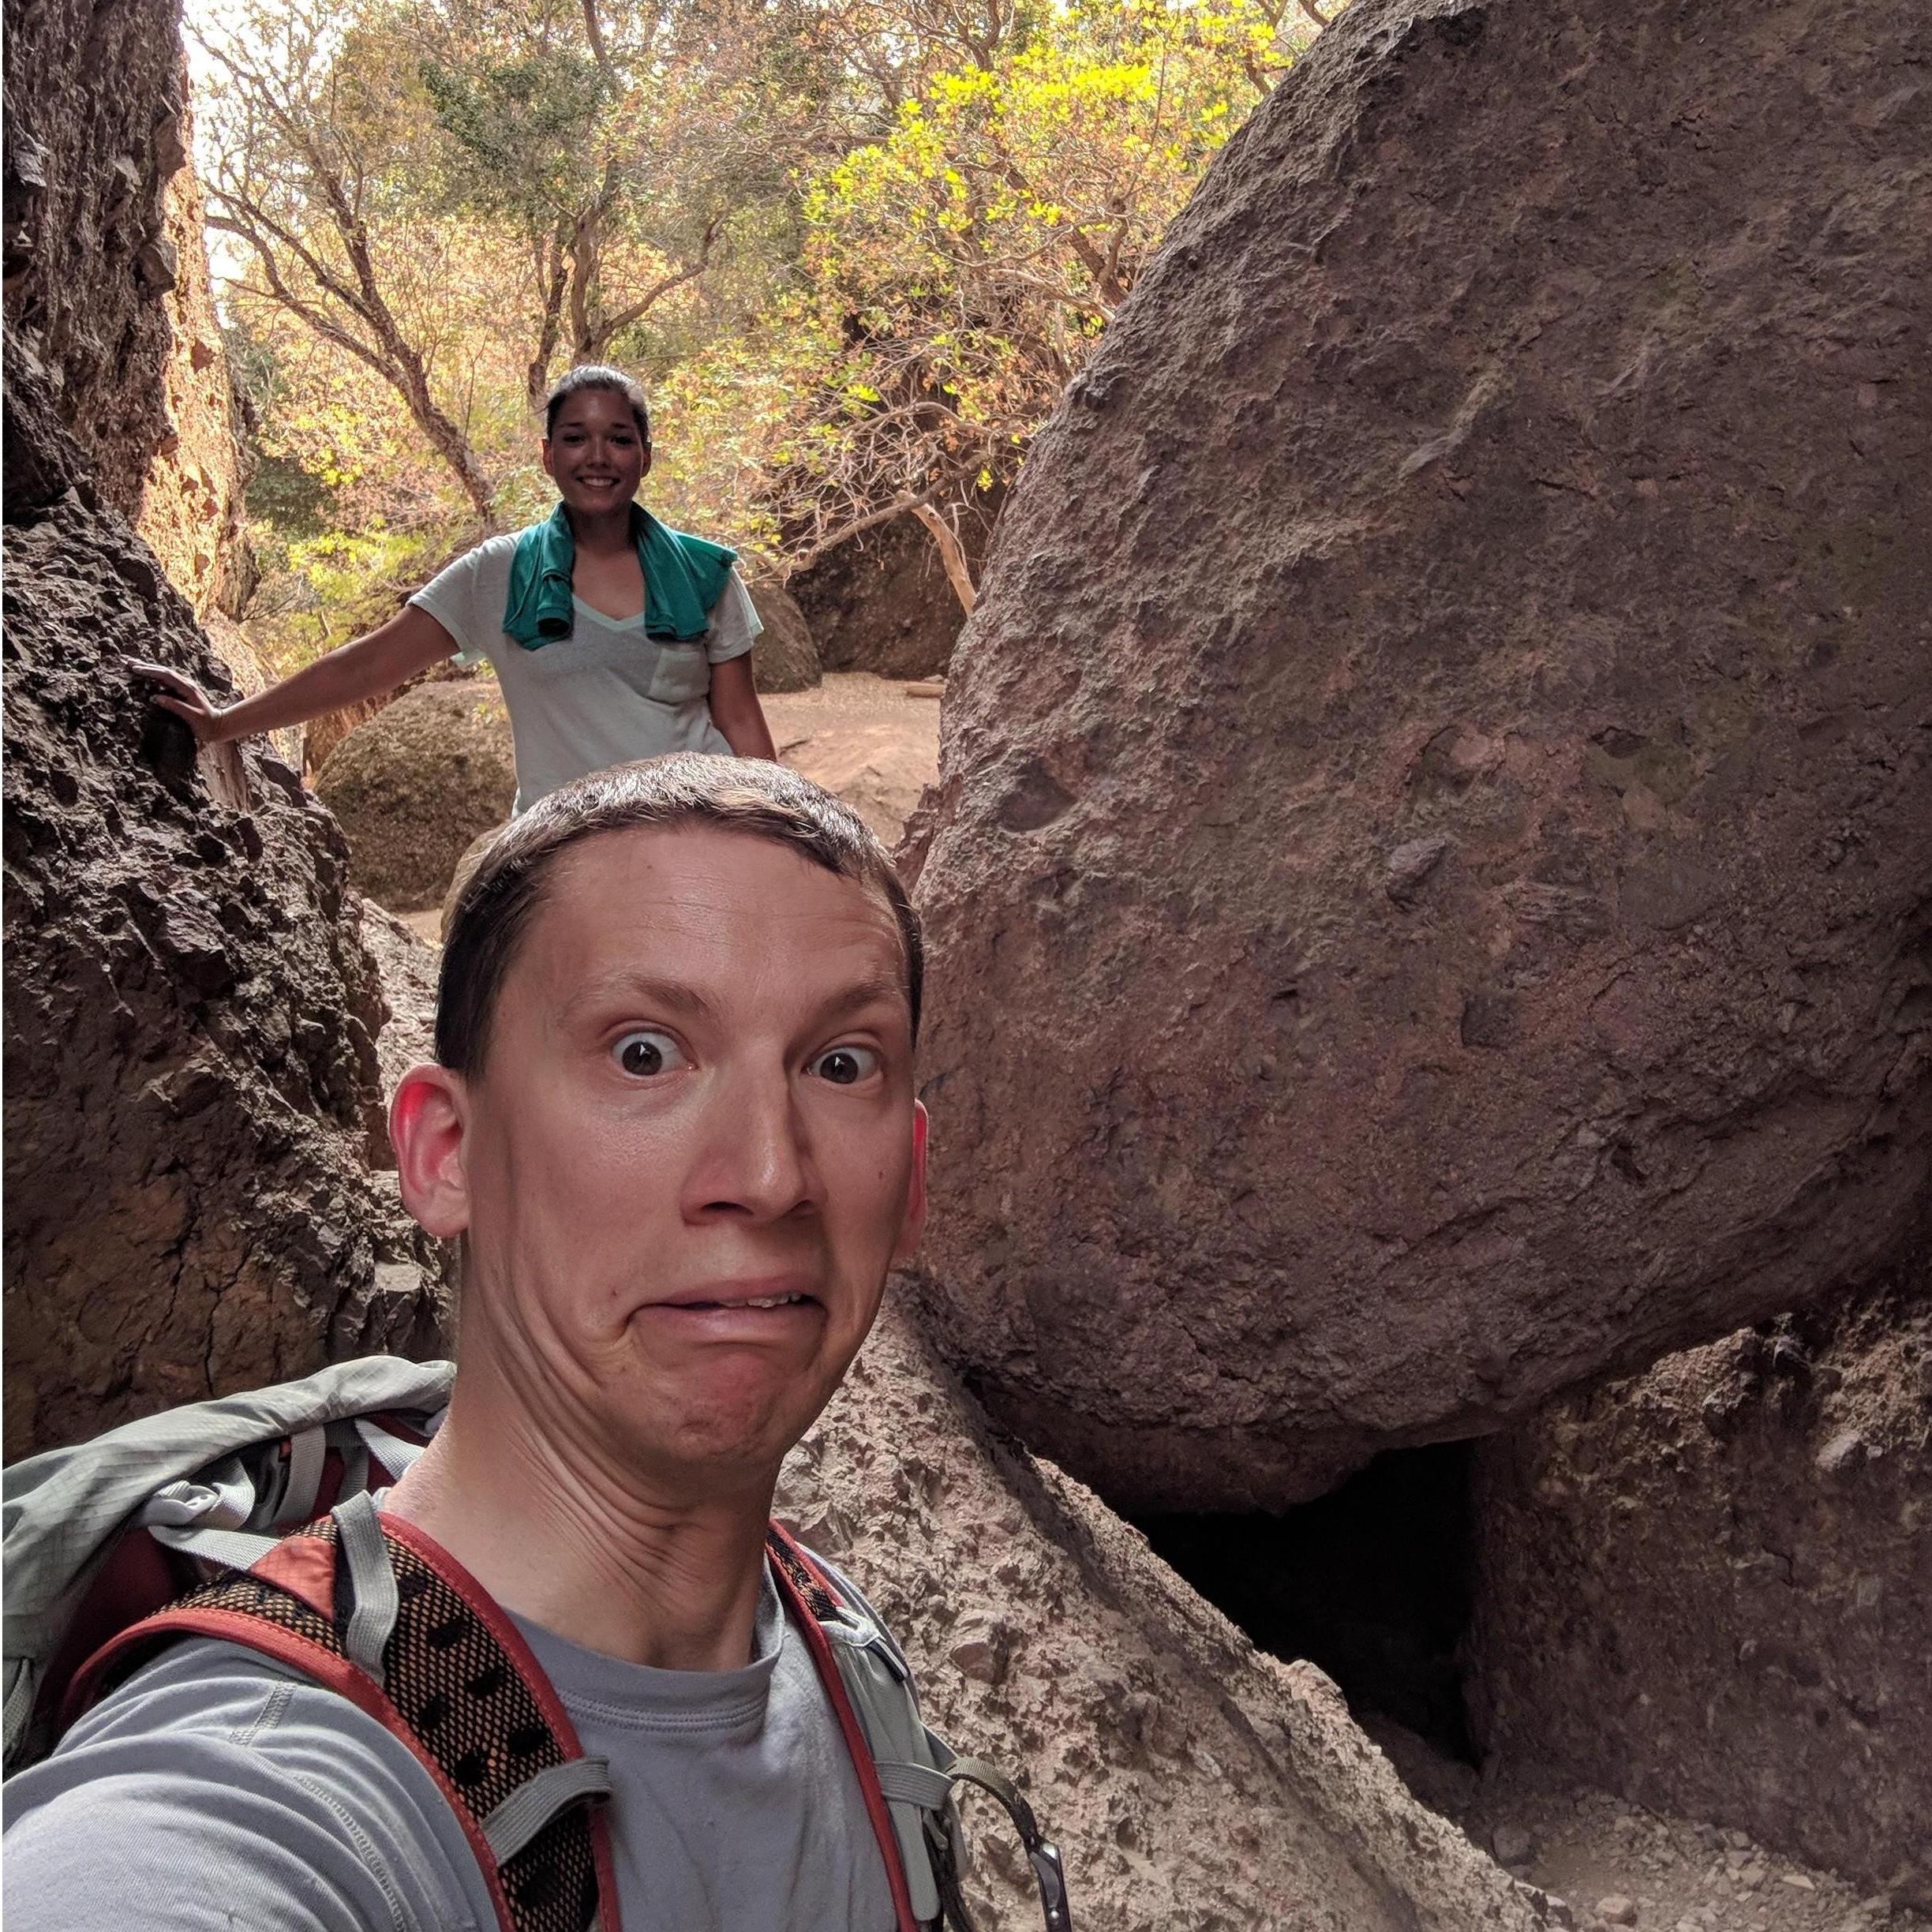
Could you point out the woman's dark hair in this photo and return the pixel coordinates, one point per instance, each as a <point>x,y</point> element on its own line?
<point>760,799</point>
<point>597,375</point>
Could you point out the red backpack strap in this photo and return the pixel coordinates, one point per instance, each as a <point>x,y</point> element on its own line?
<point>457,1684</point>
<point>810,1598</point>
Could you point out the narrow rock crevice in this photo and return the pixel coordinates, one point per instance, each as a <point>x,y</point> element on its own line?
<point>1372,1583</point>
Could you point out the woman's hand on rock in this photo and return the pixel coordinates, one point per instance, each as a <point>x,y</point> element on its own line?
<point>186,699</point>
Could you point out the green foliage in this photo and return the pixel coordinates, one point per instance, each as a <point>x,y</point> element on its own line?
<point>965,264</point>
<point>855,249</point>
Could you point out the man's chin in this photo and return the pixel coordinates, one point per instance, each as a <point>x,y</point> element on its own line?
<point>725,1418</point>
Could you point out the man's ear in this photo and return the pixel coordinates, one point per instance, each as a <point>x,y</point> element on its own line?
<point>914,1224</point>
<point>426,1122</point>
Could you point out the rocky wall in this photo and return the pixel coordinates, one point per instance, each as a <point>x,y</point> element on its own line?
<point>193,511</point>
<point>1707,1589</point>
<point>94,130</point>
<point>193,1114</point>
<point>1427,890</point>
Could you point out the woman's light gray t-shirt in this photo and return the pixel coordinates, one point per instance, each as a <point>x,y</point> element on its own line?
<point>604,696</point>
<point>217,1789</point>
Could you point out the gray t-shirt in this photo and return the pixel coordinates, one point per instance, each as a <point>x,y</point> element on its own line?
<point>217,1791</point>
<point>604,696</point>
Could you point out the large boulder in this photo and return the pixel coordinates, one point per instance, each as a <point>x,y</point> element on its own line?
<point>418,783</point>
<point>1706,1588</point>
<point>1428,893</point>
<point>882,602</point>
<point>785,657</point>
<point>193,1121</point>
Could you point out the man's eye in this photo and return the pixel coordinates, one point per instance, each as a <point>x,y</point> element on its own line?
<point>646,1052</point>
<point>845,1065</point>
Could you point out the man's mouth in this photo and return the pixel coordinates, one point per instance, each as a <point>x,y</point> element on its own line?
<point>728,1296</point>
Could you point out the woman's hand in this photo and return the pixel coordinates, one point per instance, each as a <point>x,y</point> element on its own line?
<point>186,699</point>
<point>390,655</point>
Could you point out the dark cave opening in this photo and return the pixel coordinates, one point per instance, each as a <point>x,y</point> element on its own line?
<point>1373,1583</point>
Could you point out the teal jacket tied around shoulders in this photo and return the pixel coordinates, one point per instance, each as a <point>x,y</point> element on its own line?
<point>683,577</point>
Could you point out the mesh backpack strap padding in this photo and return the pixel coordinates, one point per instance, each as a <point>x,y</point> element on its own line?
<point>461,1690</point>
<point>811,1600</point>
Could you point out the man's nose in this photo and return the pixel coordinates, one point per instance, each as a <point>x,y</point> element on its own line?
<point>753,1158</point>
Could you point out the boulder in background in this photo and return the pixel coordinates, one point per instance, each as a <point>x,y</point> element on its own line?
<point>785,658</point>
<point>417,784</point>
<point>882,603</point>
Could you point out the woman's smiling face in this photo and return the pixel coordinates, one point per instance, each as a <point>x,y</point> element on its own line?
<point>595,453</point>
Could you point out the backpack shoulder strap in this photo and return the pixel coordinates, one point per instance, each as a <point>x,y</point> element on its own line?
<point>911,1768</point>
<point>812,1603</point>
<point>371,1608</point>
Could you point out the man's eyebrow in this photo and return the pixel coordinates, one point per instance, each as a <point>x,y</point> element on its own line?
<point>888,984</point>
<point>668,995</point>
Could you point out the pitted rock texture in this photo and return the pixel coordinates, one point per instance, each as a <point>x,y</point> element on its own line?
<point>192,513</point>
<point>408,969</point>
<point>416,784</point>
<point>192,1106</point>
<point>785,657</point>
<point>1429,890</point>
<point>1706,1589</point>
<point>93,132</point>
<point>1193,1783</point>
<point>882,603</point>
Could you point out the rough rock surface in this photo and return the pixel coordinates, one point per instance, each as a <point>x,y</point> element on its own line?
<point>1193,1782</point>
<point>192,514</point>
<point>93,131</point>
<point>879,771</point>
<point>417,784</point>
<point>1428,889</point>
<point>882,603</point>
<point>785,657</point>
<point>1591,1849</point>
<point>408,969</point>
<point>192,1108</point>
<point>1707,1589</point>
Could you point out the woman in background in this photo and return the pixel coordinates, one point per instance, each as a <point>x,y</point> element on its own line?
<point>613,638</point>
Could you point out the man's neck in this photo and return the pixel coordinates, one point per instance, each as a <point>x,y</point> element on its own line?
<point>583,1549</point>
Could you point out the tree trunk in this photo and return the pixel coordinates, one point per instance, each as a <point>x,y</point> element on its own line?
<point>951,554</point>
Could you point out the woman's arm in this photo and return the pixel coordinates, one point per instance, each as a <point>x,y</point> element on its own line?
<point>735,709</point>
<point>411,641</point>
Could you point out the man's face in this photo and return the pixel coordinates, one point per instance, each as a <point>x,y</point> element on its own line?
<point>690,1157</point>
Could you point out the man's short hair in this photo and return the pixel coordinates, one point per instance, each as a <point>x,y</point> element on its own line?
<point>760,799</point>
